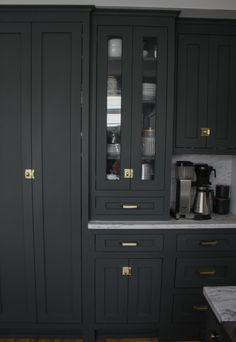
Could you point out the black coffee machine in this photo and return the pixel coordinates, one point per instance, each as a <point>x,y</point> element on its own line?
<point>204,196</point>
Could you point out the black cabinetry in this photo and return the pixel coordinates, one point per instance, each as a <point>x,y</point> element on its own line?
<point>41,122</point>
<point>131,114</point>
<point>17,292</point>
<point>205,102</point>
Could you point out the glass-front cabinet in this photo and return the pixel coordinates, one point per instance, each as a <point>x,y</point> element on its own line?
<point>131,116</point>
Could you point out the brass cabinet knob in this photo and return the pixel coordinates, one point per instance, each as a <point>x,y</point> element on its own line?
<point>205,132</point>
<point>29,174</point>
<point>126,271</point>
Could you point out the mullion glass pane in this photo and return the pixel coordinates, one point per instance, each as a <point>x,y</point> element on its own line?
<point>113,122</point>
<point>149,105</point>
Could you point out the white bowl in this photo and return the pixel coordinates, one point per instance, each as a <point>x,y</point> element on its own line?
<point>114,47</point>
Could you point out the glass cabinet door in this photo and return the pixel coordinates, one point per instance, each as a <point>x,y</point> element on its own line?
<point>113,108</point>
<point>149,108</point>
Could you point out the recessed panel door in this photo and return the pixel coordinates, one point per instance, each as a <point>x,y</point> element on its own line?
<point>56,158</point>
<point>17,293</point>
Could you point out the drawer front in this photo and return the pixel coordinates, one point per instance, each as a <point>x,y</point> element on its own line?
<point>206,242</point>
<point>129,205</point>
<point>189,308</point>
<point>129,243</point>
<point>205,272</point>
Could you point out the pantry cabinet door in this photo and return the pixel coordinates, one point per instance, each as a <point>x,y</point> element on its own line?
<point>56,159</point>
<point>17,283</point>
<point>222,93</point>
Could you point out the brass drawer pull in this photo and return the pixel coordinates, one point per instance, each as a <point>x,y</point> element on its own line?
<point>129,244</point>
<point>130,206</point>
<point>207,273</point>
<point>126,271</point>
<point>208,242</point>
<point>200,308</point>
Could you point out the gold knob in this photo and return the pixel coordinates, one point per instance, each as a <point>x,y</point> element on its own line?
<point>126,271</point>
<point>205,132</point>
<point>29,174</point>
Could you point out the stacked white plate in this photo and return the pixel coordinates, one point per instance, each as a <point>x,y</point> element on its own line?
<point>149,91</point>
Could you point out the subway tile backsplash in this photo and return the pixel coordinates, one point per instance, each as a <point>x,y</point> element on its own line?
<point>224,165</point>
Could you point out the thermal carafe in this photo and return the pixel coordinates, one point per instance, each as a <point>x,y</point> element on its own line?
<point>203,202</point>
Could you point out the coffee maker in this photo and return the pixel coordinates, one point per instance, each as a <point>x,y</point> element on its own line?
<point>204,197</point>
<point>184,180</point>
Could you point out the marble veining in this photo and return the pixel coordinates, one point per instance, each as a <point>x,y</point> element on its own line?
<point>217,221</point>
<point>222,300</point>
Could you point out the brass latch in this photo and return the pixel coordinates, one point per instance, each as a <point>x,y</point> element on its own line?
<point>126,271</point>
<point>29,174</point>
<point>128,173</point>
<point>205,132</point>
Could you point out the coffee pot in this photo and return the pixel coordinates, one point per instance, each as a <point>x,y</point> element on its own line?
<point>203,203</point>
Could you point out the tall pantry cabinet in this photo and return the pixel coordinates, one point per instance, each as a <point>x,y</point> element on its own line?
<point>41,67</point>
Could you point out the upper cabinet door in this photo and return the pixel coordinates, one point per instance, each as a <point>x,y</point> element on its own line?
<point>113,107</point>
<point>192,81</point>
<point>222,93</point>
<point>17,297</point>
<point>149,108</point>
<point>56,159</point>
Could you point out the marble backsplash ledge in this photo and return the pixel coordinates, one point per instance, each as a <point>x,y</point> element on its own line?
<point>224,165</point>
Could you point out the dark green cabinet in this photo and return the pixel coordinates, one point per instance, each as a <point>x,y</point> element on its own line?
<point>206,70</point>
<point>17,292</point>
<point>131,120</point>
<point>132,297</point>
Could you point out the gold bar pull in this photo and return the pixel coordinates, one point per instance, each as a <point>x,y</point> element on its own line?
<point>205,132</point>
<point>129,206</point>
<point>209,273</point>
<point>200,308</point>
<point>29,174</point>
<point>208,242</point>
<point>126,271</point>
<point>129,244</point>
<point>128,173</point>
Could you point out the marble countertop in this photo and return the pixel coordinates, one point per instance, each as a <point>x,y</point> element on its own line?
<point>217,221</point>
<point>222,300</point>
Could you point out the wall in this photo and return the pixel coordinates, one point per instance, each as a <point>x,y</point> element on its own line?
<point>225,172</point>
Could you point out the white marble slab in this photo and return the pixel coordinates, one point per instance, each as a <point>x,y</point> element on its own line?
<point>222,300</point>
<point>217,221</point>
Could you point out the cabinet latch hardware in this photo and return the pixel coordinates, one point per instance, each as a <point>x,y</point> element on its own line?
<point>129,206</point>
<point>128,173</point>
<point>29,174</point>
<point>126,271</point>
<point>208,242</point>
<point>207,273</point>
<point>129,244</point>
<point>200,308</point>
<point>214,335</point>
<point>205,132</point>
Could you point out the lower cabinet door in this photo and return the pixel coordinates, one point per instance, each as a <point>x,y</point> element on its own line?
<point>111,291</point>
<point>128,290</point>
<point>144,290</point>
